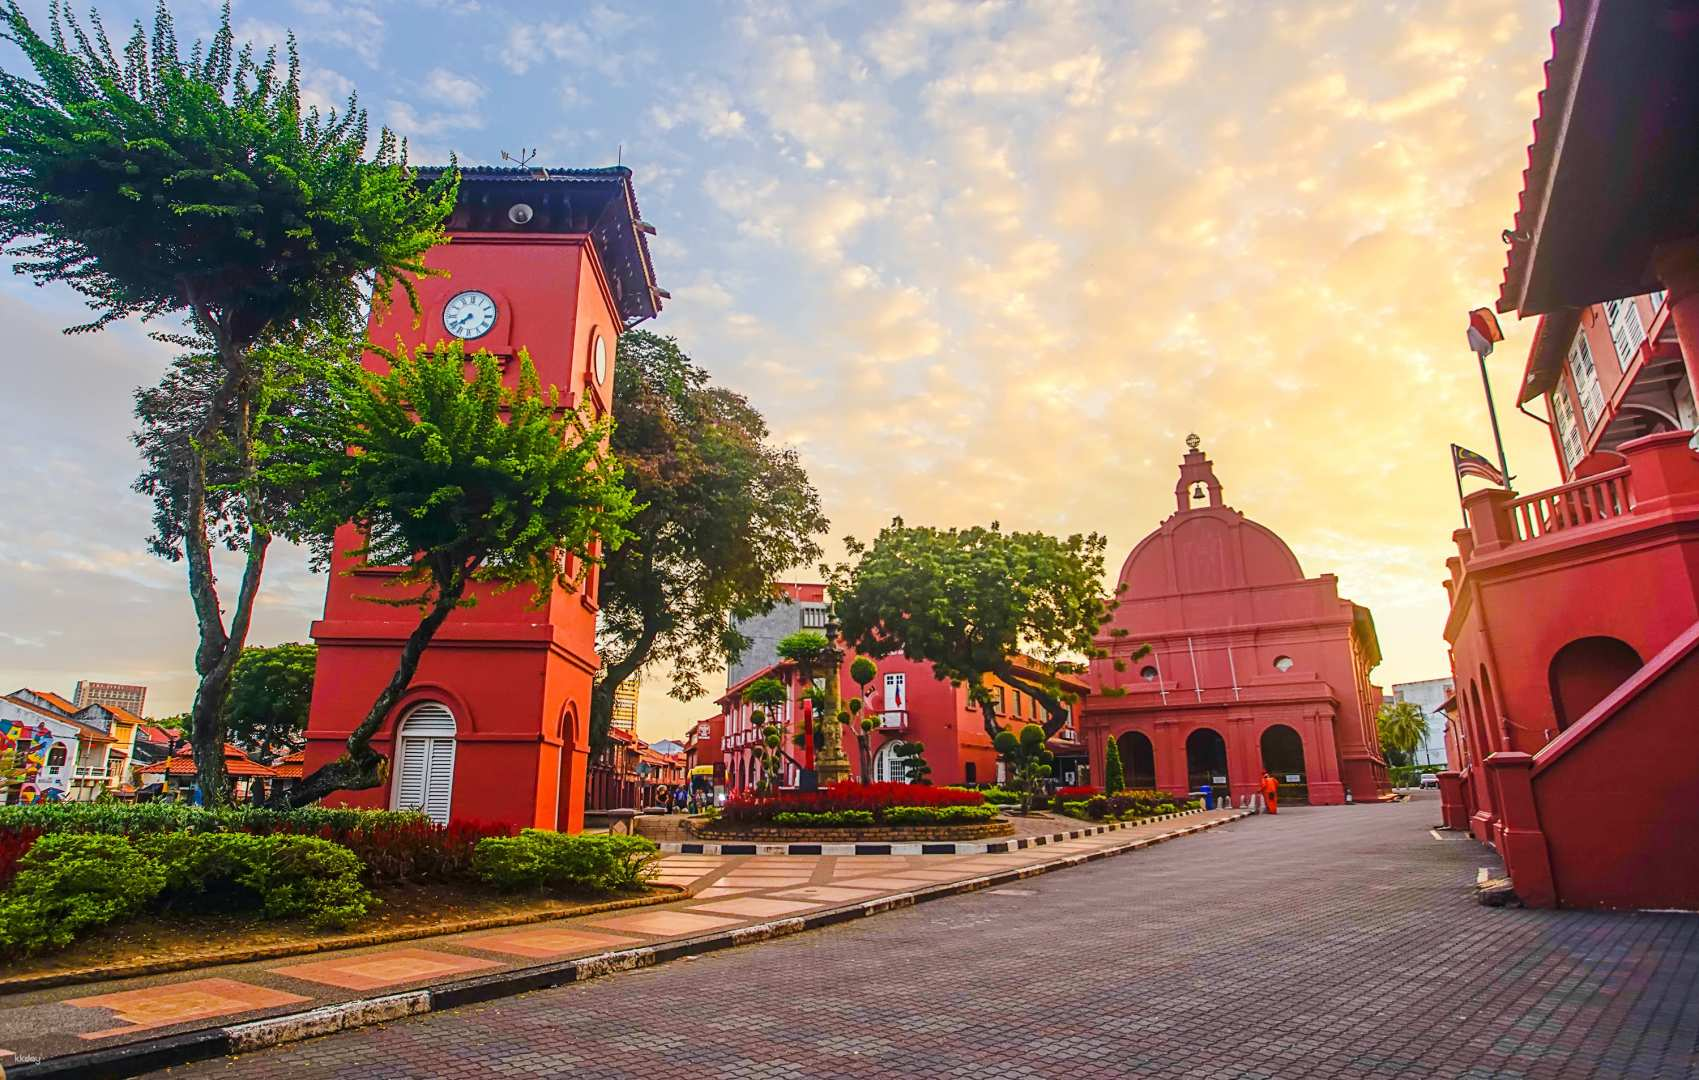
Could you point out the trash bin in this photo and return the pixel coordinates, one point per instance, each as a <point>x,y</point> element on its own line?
<point>1208,797</point>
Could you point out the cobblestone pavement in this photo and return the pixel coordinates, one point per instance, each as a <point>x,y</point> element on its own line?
<point>728,893</point>
<point>1338,942</point>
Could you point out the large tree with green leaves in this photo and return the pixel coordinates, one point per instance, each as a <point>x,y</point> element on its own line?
<point>978,602</point>
<point>722,513</point>
<point>271,691</point>
<point>1403,728</point>
<point>198,187</point>
<point>454,480</point>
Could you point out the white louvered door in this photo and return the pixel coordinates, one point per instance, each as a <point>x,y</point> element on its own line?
<point>424,768</point>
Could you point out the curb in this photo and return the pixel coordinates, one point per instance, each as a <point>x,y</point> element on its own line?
<point>24,983</point>
<point>917,847</point>
<point>167,1051</point>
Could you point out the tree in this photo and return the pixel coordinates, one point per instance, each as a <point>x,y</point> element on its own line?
<point>1030,761</point>
<point>723,513</point>
<point>766,695</point>
<point>911,755</point>
<point>271,690</point>
<point>971,601</point>
<point>160,185</point>
<point>1403,728</point>
<point>1114,775</point>
<point>862,672</point>
<point>455,481</point>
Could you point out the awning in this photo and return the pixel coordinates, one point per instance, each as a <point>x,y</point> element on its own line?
<point>702,770</point>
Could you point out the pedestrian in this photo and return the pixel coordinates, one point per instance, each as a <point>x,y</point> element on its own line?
<point>1270,791</point>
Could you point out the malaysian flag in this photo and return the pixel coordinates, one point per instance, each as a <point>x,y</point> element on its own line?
<point>1468,463</point>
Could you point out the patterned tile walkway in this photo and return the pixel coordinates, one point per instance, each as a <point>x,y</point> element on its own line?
<point>729,892</point>
<point>1322,943</point>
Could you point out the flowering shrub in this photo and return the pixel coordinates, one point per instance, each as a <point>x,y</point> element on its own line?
<point>395,846</point>
<point>13,844</point>
<point>872,798</point>
<point>1126,805</point>
<point>1082,791</point>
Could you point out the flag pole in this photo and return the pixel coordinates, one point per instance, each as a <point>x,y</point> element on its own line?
<point>1483,331</point>
<point>1492,414</point>
<point>1457,476</point>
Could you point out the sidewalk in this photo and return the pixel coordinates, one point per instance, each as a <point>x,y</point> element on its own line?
<point>129,1026</point>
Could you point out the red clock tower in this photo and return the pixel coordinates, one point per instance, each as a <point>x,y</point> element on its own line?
<point>495,726</point>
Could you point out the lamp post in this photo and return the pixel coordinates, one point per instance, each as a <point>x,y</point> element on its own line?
<point>830,765</point>
<point>1483,332</point>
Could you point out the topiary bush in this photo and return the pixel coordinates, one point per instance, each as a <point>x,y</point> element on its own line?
<point>69,883</point>
<point>537,860</point>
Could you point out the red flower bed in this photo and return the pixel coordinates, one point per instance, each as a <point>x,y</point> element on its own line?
<point>876,798</point>
<point>1073,794</point>
<point>13,844</point>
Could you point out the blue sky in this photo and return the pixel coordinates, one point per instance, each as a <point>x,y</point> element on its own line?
<point>975,260</point>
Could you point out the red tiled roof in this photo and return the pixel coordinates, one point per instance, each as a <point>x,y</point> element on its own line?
<point>291,767</point>
<point>37,709</point>
<point>55,700</point>
<point>236,763</point>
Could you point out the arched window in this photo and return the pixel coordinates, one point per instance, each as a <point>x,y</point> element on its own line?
<point>887,766</point>
<point>1283,664</point>
<point>1584,672</point>
<point>1138,760</point>
<point>424,761</point>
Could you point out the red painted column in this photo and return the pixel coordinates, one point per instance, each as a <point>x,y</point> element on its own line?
<point>1518,837</point>
<point>1321,757</point>
<point>1453,813</point>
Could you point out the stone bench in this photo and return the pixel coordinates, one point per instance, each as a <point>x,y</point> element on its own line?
<point>621,821</point>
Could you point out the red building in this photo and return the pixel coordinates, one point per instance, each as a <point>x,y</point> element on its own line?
<point>1575,612</point>
<point>1574,623</point>
<point>1252,665</point>
<point>704,752</point>
<point>495,725</point>
<point>910,704</point>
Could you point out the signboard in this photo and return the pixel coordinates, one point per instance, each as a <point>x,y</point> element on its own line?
<point>1293,778</point>
<point>1219,779</point>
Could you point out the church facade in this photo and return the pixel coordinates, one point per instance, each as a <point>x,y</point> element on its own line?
<point>1223,660</point>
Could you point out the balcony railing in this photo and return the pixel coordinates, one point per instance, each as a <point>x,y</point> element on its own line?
<point>86,773</point>
<point>894,720</point>
<point>1579,502</point>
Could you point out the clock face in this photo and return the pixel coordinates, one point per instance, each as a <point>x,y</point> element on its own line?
<point>600,360</point>
<point>469,314</point>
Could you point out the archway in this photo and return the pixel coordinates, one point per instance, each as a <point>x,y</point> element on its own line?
<point>1584,672</point>
<point>1283,758</point>
<point>887,766</point>
<point>424,761</point>
<point>1138,760</point>
<point>1206,760</point>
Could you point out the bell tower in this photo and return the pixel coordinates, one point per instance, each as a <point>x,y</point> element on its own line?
<point>1197,479</point>
<point>495,726</point>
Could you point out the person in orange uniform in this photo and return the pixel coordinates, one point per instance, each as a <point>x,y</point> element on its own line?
<point>1270,792</point>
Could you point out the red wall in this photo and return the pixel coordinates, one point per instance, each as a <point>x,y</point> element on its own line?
<point>516,677</point>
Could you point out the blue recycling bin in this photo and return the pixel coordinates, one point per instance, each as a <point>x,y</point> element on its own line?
<point>1208,797</point>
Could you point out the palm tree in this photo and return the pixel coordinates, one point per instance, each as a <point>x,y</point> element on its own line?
<point>1403,728</point>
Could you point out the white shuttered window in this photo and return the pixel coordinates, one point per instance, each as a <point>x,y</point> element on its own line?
<point>424,761</point>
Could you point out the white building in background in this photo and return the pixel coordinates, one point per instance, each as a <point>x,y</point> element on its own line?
<point>1431,696</point>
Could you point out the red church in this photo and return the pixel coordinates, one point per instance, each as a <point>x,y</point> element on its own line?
<point>1252,666</point>
<point>495,724</point>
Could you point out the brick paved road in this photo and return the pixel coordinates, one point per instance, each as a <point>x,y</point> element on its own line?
<point>1335,942</point>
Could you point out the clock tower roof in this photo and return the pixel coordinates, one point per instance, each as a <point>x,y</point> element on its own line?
<point>598,202</point>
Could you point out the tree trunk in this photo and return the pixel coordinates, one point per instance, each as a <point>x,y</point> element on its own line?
<point>1056,714</point>
<point>362,767</point>
<point>218,649</point>
<point>613,675</point>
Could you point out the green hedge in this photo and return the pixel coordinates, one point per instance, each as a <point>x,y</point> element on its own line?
<point>826,819</point>
<point>70,882</point>
<point>535,860</point>
<point>940,815</point>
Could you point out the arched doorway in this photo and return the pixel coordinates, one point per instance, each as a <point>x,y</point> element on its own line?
<point>1283,758</point>
<point>1206,760</point>
<point>887,766</point>
<point>1584,672</point>
<point>1138,760</point>
<point>424,761</point>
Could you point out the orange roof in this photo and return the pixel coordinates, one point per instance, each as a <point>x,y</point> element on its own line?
<point>54,699</point>
<point>37,709</point>
<point>291,767</point>
<point>236,763</point>
<point>125,716</point>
